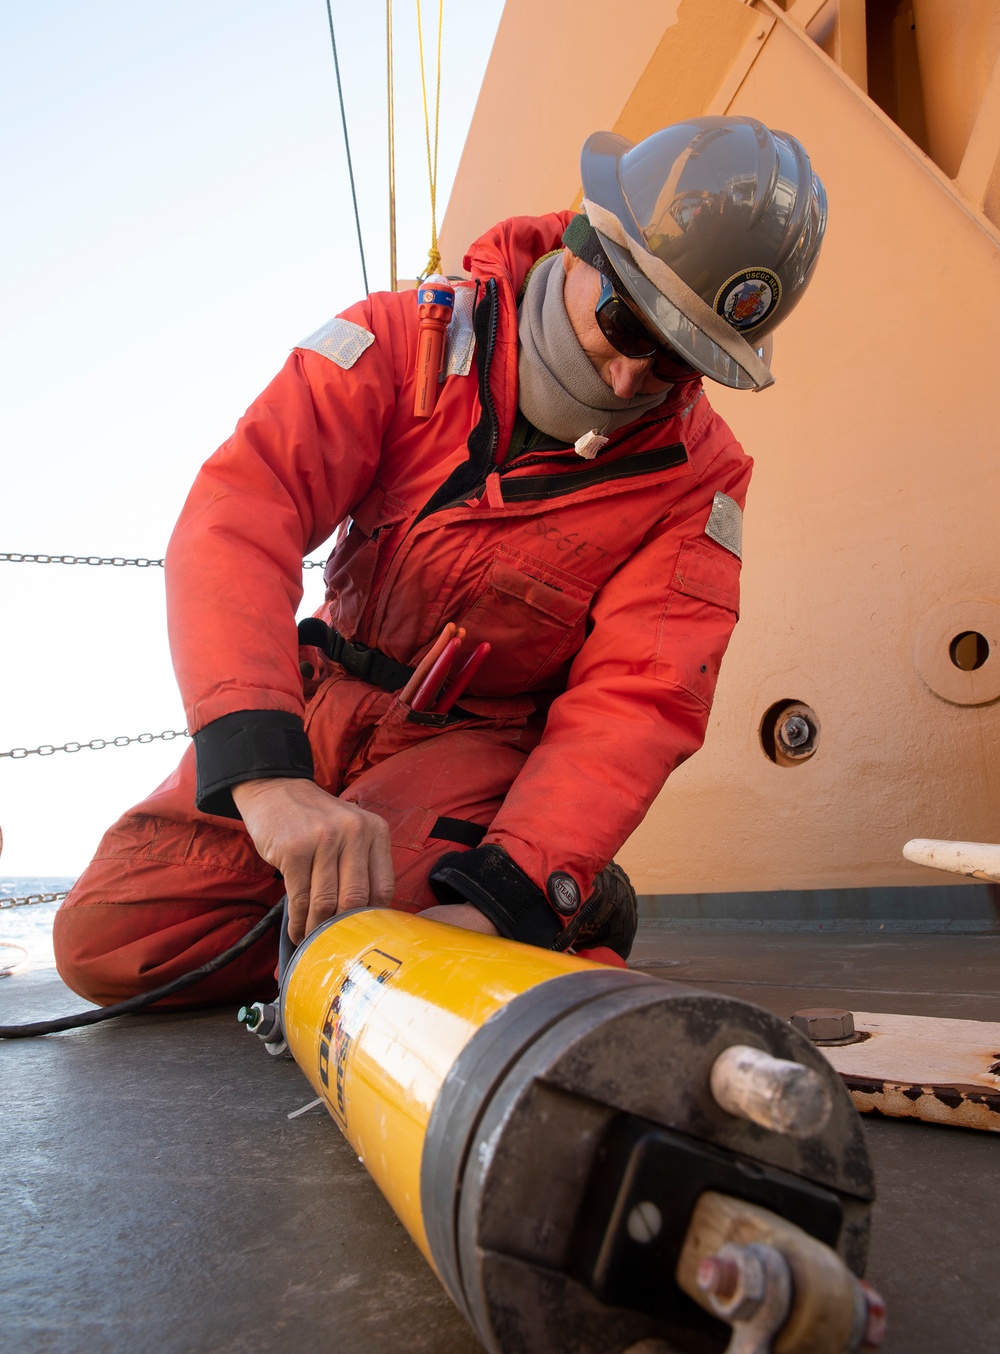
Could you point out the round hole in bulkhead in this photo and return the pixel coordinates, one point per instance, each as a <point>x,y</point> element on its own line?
<point>969,650</point>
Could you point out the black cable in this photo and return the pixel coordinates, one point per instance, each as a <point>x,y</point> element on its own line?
<point>120,1008</point>
<point>347,146</point>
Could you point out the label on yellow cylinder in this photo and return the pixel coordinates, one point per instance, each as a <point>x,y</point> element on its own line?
<point>377,1007</point>
<point>343,1020</point>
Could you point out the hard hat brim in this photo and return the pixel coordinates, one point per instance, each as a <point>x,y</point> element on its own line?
<point>599,162</point>
<point>675,328</point>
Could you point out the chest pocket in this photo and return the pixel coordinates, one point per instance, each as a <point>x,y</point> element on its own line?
<point>534,617</point>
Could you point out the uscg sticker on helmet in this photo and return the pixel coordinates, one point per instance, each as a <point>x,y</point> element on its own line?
<point>747,298</point>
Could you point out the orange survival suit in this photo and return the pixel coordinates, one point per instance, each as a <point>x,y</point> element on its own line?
<point>600,584</point>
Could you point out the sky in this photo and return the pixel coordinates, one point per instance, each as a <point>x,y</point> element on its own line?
<point>175,216</point>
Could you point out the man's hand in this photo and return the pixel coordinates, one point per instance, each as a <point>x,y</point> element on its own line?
<point>333,855</point>
<point>466,915</point>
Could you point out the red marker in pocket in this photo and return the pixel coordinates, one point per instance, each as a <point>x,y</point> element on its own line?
<point>453,689</point>
<point>423,668</point>
<point>430,687</point>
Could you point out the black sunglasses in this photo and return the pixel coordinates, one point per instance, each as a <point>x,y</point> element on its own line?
<point>625,331</point>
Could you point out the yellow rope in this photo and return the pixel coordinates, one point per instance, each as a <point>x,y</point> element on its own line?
<point>433,254</point>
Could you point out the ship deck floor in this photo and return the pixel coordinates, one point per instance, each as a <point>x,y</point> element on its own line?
<point>156,1196</point>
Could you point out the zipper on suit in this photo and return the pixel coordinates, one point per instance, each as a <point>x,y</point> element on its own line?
<point>491,300</point>
<point>488,458</point>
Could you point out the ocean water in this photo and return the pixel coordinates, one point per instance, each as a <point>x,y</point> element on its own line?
<point>26,932</point>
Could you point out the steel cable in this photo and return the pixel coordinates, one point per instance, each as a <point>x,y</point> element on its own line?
<point>347,146</point>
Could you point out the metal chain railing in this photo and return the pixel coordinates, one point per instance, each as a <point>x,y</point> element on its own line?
<point>119,561</point>
<point>30,899</point>
<point>95,744</point>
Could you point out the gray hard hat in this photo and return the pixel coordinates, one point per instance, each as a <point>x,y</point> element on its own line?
<point>735,213</point>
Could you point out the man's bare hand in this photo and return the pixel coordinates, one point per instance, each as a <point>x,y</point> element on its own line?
<point>333,855</point>
<point>466,915</point>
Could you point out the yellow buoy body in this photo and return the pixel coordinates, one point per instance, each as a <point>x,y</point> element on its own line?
<point>376,1007</point>
<point>521,1109</point>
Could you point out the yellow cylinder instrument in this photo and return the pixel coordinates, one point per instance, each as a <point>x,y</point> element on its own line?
<point>566,1143</point>
<point>376,1014</point>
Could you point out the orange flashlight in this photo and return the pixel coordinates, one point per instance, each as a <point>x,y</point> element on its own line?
<point>435,303</point>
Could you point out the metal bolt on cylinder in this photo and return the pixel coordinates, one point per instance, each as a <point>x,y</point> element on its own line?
<point>719,1276</point>
<point>751,1288</point>
<point>263,1020</point>
<point>783,1096</point>
<point>736,1280</point>
<point>645,1222</point>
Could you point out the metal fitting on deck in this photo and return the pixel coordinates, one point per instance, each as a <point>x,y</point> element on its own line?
<point>827,1025</point>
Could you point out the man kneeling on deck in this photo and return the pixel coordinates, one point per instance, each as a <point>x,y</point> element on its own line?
<point>572,501</point>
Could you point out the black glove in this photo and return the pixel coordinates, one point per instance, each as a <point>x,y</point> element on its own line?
<point>489,879</point>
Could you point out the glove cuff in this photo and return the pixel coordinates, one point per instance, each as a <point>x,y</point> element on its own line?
<point>247,745</point>
<point>490,880</point>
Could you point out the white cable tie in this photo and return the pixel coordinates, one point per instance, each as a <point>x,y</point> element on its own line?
<point>305,1108</point>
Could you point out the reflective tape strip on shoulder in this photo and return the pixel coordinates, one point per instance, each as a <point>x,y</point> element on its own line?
<point>461,339</point>
<point>341,341</point>
<point>725,524</point>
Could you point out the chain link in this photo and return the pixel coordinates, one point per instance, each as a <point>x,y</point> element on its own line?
<point>31,899</point>
<point>119,561</point>
<point>95,744</point>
